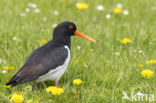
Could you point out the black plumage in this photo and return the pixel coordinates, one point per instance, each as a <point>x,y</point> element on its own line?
<point>47,57</point>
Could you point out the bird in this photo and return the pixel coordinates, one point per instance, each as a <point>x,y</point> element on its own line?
<point>49,61</point>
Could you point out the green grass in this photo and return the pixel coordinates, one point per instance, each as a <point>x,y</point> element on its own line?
<point>107,74</point>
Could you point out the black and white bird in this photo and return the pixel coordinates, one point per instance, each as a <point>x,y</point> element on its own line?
<point>50,61</point>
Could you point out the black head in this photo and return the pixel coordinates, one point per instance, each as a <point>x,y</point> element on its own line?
<point>65,28</point>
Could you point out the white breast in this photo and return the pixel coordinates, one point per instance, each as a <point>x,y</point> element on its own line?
<point>56,74</point>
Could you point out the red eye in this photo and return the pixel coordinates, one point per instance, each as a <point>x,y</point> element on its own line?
<point>71,27</point>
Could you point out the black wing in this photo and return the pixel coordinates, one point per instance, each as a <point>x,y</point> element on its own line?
<point>40,62</point>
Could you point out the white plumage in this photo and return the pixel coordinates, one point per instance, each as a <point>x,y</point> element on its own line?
<point>55,74</point>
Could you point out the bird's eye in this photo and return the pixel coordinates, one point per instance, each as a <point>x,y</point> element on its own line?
<point>71,27</point>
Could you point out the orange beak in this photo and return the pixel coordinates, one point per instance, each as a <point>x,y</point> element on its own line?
<point>84,36</point>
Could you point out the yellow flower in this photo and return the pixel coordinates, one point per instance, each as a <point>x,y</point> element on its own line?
<point>50,89</point>
<point>6,68</point>
<point>76,61</point>
<point>151,62</point>
<point>117,10</point>
<point>29,101</point>
<point>9,68</point>
<point>125,41</point>
<point>7,86</point>
<point>16,98</point>
<point>55,90</point>
<point>77,81</point>
<point>140,65</point>
<point>147,73</point>
<point>82,6</point>
<point>44,42</point>
<point>12,67</point>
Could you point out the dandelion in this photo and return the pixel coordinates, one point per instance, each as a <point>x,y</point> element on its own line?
<point>29,101</point>
<point>7,86</point>
<point>56,12</point>
<point>100,8</point>
<point>17,98</point>
<point>82,6</point>
<point>5,68</point>
<point>108,16</point>
<point>44,42</point>
<point>55,90</point>
<point>125,12</point>
<point>140,65</point>
<point>126,41</point>
<point>119,5</point>
<point>9,68</point>
<point>12,67</point>
<point>147,73</point>
<point>151,62</point>
<point>77,81</point>
<point>76,61</point>
<point>51,88</point>
<point>117,10</point>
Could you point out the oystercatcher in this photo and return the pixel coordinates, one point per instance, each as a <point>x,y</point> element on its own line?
<point>50,61</point>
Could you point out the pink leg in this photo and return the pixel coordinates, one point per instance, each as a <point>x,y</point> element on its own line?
<point>56,84</point>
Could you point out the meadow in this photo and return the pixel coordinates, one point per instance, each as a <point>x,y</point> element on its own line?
<point>109,68</point>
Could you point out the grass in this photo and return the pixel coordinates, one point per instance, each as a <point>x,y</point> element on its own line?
<point>107,74</point>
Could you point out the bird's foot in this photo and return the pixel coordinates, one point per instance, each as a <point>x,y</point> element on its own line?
<point>56,84</point>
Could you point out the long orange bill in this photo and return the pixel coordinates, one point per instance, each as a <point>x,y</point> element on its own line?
<point>84,36</point>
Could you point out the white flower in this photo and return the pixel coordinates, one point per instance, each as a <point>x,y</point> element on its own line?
<point>117,53</point>
<point>56,12</point>
<point>54,25</point>
<point>134,51</point>
<point>0,60</point>
<point>140,51</point>
<point>125,12</point>
<point>78,47</point>
<point>4,61</point>
<point>4,71</point>
<point>45,19</point>
<point>153,8</point>
<point>108,16</point>
<point>32,5</point>
<point>37,10</point>
<point>100,8</point>
<point>14,38</point>
<point>22,14</point>
<point>119,5</point>
<point>27,10</point>
<point>86,66</point>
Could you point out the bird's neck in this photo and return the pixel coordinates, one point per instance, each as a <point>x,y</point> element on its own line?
<point>62,41</point>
